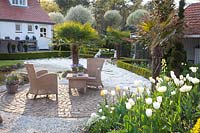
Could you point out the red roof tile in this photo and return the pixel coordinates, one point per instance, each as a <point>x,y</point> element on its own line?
<point>32,13</point>
<point>192,19</point>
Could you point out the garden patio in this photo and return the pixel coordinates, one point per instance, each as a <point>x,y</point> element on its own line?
<point>70,110</point>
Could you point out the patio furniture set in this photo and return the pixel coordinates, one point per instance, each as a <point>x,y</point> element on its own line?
<point>44,83</point>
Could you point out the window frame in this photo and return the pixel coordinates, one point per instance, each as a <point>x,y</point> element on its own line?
<point>32,31</point>
<point>43,33</point>
<point>20,30</point>
<point>22,3</point>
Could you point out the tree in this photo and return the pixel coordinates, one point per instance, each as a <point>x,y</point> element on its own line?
<point>113,18</point>
<point>65,5</point>
<point>137,17</point>
<point>117,37</point>
<point>158,29</point>
<point>56,17</point>
<point>49,6</point>
<point>79,14</point>
<point>74,33</point>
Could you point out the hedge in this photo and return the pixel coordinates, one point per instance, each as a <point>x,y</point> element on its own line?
<point>135,69</point>
<point>107,54</point>
<point>7,65</point>
<point>33,55</point>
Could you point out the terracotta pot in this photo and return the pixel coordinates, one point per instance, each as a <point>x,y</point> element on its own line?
<point>12,89</point>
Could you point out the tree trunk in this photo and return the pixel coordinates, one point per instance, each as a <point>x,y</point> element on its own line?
<point>74,50</point>
<point>118,51</point>
<point>157,55</point>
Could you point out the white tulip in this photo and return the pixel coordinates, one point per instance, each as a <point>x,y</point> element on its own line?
<point>177,82</point>
<point>162,89</point>
<point>181,82</point>
<point>152,80</point>
<point>124,93</point>
<point>195,80</point>
<point>185,88</point>
<point>112,108</point>
<point>113,93</point>
<point>111,112</point>
<point>106,106</point>
<point>100,110</point>
<point>181,77</point>
<point>103,117</point>
<point>126,88</point>
<point>130,100</point>
<point>173,92</point>
<point>148,101</point>
<point>172,75</point>
<point>156,105</point>
<point>140,90</point>
<point>194,69</point>
<point>93,115</point>
<point>149,112</point>
<point>159,99</point>
<point>138,83</point>
<point>128,106</point>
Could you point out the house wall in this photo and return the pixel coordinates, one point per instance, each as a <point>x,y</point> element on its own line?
<point>189,45</point>
<point>8,29</point>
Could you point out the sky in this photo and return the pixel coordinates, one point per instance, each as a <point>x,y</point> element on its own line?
<point>187,1</point>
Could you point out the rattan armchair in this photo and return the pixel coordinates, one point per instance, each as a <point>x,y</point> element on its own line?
<point>41,82</point>
<point>94,68</point>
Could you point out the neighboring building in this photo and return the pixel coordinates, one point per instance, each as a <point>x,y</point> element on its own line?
<point>25,20</point>
<point>191,39</point>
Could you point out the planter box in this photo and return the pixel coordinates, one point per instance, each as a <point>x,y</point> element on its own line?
<point>12,89</point>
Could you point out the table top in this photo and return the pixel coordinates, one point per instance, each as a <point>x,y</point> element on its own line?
<point>77,76</point>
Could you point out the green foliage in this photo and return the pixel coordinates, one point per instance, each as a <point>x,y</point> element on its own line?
<point>12,78</point>
<point>175,56</point>
<point>33,55</point>
<point>137,17</point>
<point>173,107</point>
<point>79,14</point>
<point>133,68</point>
<point>113,18</point>
<point>49,6</point>
<point>74,32</point>
<point>10,64</point>
<point>65,5</point>
<point>57,17</point>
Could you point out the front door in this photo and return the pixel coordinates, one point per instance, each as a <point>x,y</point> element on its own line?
<point>197,56</point>
<point>43,42</point>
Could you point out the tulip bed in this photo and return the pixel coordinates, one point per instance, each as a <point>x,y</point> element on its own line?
<point>173,106</point>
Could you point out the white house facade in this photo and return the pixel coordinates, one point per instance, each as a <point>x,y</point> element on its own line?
<point>25,20</point>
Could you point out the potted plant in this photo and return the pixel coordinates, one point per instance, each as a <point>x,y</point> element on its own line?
<point>12,82</point>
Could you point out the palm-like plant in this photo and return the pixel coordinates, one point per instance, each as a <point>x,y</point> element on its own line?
<point>117,37</point>
<point>155,32</point>
<point>75,34</point>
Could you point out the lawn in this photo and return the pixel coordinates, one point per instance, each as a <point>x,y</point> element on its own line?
<point>9,63</point>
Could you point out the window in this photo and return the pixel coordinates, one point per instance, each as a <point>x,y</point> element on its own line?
<point>18,28</point>
<point>30,28</point>
<point>43,32</point>
<point>19,2</point>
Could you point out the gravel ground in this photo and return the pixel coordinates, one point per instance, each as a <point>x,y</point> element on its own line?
<point>13,123</point>
<point>111,76</point>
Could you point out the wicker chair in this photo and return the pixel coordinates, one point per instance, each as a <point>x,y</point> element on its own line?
<point>41,82</point>
<point>94,67</point>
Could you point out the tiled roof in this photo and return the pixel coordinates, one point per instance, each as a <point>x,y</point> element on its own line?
<point>192,19</point>
<point>32,13</point>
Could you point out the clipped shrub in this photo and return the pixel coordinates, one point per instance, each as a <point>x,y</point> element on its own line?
<point>33,55</point>
<point>135,69</point>
<point>113,18</point>
<point>79,14</point>
<point>136,17</point>
<point>57,17</point>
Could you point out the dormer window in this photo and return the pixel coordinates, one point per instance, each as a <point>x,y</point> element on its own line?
<point>19,2</point>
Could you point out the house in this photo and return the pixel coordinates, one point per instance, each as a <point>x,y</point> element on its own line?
<point>191,39</point>
<point>26,21</point>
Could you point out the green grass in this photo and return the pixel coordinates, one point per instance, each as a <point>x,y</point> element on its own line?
<point>9,63</point>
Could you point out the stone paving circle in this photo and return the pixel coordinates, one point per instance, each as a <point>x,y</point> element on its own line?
<point>75,105</point>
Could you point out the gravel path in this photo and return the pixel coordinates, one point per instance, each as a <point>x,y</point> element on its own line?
<point>111,76</point>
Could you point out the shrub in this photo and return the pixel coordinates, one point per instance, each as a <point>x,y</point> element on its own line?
<point>137,16</point>
<point>135,69</point>
<point>79,14</point>
<point>57,17</point>
<point>113,18</point>
<point>33,55</point>
<point>172,107</point>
